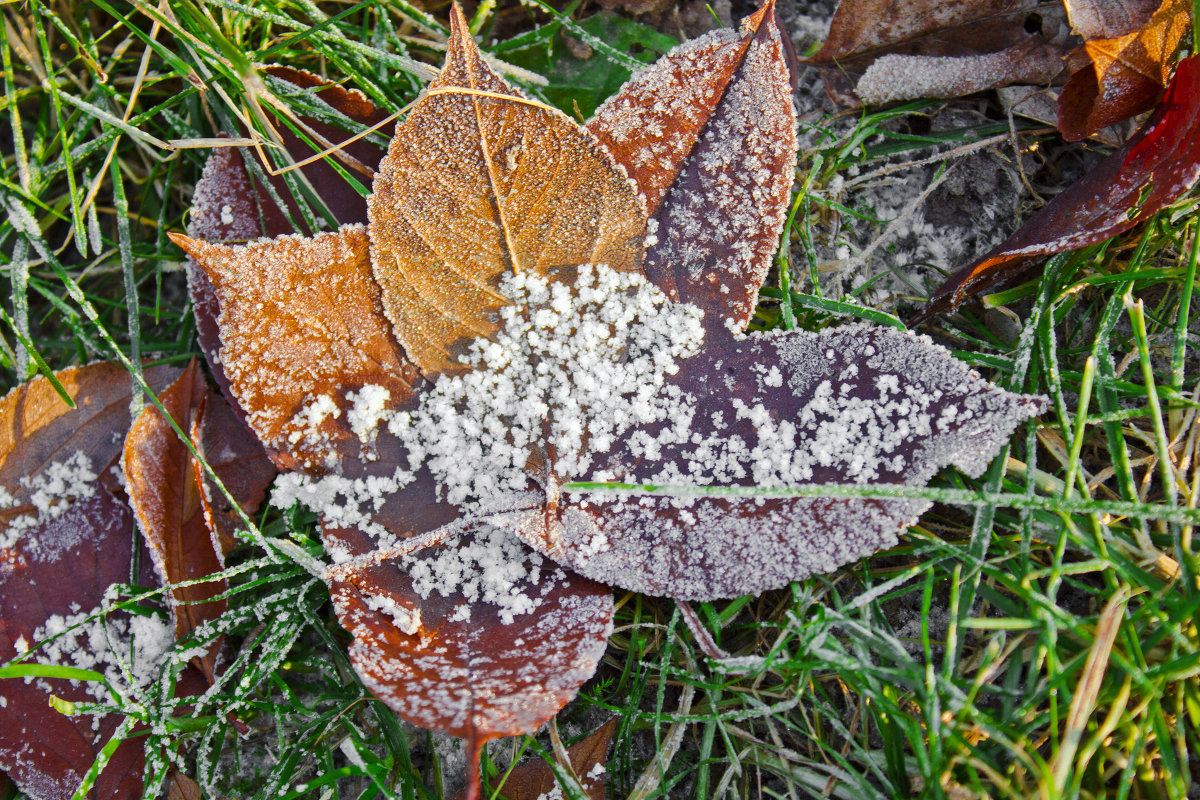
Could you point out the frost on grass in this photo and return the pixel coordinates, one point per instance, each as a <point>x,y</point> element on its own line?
<point>708,132</point>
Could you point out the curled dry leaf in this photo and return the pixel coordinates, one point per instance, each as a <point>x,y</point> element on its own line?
<point>188,539</point>
<point>586,371</point>
<point>1132,52</point>
<point>716,210</point>
<point>927,48</point>
<point>1158,164</point>
<point>480,182</point>
<point>66,539</point>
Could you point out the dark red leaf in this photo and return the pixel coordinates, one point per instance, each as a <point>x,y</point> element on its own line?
<point>856,405</point>
<point>1156,166</point>
<point>708,134</point>
<point>65,539</point>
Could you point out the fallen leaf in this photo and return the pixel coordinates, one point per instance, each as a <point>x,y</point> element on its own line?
<point>1158,164</point>
<point>1108,19</point>
<point>167,494</point>
<point>298,318</point>
<point>66,539</point>
<point>560,362</point>
<point>535,779</point>
<point>479,182</point>
<point>716,212</point>
<point>1128,71</point>
<point>918,48</point>
<point>234,204</point>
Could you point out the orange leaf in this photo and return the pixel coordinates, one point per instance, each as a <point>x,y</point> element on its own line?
<point>1127,73</point>
<point>168,497</point>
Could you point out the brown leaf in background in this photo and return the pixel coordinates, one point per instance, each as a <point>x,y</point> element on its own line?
<point>534,779</point>
<point>1128,71</point>
<point>300,318</point>
<point>167,496</point>
<point>922,48</point>
<point>477,186</point>
<point>715,211</point>
<point>1156,166</point>
<point>65,539</point>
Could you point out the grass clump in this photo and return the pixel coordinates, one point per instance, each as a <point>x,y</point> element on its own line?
<point>1034,635</point>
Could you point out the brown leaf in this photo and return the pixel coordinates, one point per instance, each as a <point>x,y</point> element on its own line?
<point>535,779</point>
<point>1127,73</point>
<point>1108,19</point>
<point>475,186</point>
<point>708,134</point>
<point>1157,165</point>
<point>167,495</point>
<point>854,405</point>
<point>232,205</point>
<point>65,539</point>
<point>300,318</point>
<point>864,29</point>
<point>445,650</point>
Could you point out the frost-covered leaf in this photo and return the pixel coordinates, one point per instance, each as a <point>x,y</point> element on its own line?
<point>1131,58</point>
<point>300,317</point>
<point>476,186</point>
<point>708,133</point>
<point>1157,165</point>
<point>892,78</point>
<point>234,205</point>
<point>1108,19</point>
<point>58,567</point>
<point>167,493</point>
<point>477,636</point>
<point>65,539</point>
<point>855,405</point>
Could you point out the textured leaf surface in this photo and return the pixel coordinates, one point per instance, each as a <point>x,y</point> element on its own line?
<point>475,187</point>
<point>167,495</point>
<point>1157,165</point>
<point>856,405</point>
<point>708,134</point>
<point>59,566</point>
<point>65,539</point>
<point>298,318</point>
<point>232,205</point>
<point>1131,63</point>
<point>863,29</point>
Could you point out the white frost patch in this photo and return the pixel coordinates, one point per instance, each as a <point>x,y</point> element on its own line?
<point>492,566</point>
<point>370,406</point>
<point>128,651</point>
<point>50,492</point>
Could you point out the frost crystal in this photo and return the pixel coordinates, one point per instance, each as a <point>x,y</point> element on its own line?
<point>50,492</point>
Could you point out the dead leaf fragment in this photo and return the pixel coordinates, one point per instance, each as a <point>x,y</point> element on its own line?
<point>708,134</point>
<point>167,496</point>
<point>1156,166</point>
<point>1127,73</point>
<point>480,182</point>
